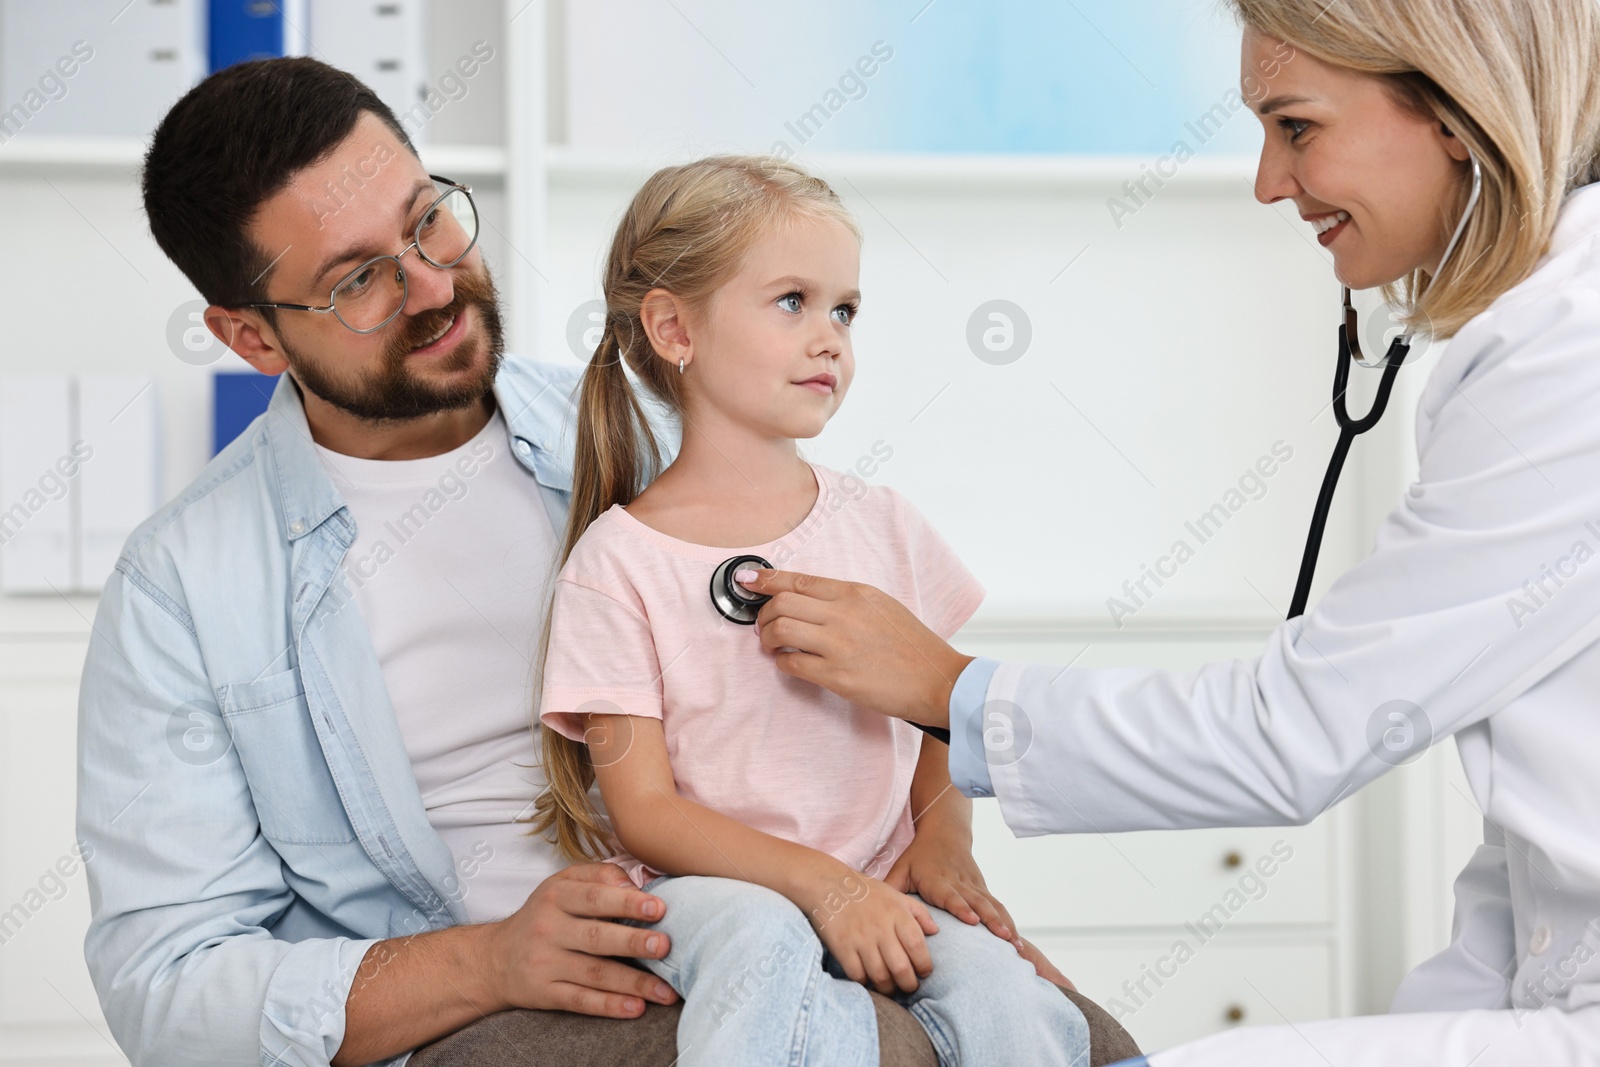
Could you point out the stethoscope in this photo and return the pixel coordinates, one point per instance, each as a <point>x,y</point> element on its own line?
<point>733,601</point>
<point>1350,429</point>
<point>737,604</point>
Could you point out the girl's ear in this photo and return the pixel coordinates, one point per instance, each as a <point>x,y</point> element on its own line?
<point>663,318</point>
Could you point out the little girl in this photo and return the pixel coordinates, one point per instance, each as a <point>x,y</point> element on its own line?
<point>763,809</point>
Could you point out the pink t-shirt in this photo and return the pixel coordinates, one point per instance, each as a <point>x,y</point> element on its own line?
<point>635,633</point>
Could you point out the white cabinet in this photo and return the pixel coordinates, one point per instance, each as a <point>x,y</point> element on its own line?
<point>48,1011</point>
<point>1202,878</point>
<point>1168,988</point>
<point>1178,934</point>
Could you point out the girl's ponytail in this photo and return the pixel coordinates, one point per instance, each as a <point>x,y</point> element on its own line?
<point>686,232</point>
<point>614,457</point>
<point>616,453</point>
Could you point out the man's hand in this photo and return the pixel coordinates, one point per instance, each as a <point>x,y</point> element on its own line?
<point>860,642</point>
<point>551,952</point>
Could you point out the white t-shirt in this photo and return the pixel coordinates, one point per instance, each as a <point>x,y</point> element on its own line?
<point>451,558</point>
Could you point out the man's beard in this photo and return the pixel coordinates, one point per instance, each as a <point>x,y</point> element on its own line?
<point>395,393</point>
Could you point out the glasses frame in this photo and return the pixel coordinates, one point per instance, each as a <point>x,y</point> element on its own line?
<point>405,284</point>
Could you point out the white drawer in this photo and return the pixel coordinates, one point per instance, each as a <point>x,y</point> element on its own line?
<point>1231,981</point>
<point>1215,878</point>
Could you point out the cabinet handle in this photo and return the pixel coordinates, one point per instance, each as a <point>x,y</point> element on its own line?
<point>1235,1013</point>
<point>1232,859</point>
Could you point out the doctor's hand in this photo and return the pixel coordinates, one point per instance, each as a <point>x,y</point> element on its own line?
<point>860,642</point>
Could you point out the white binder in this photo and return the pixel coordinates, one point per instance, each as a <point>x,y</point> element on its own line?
<point>96,68</point>
<point>38,476</point>
<point>380,42</point>
<point>120,485</point>
<point>80,468</point>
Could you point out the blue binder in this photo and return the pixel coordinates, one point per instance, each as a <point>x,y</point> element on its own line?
<point>240,30</point>
<point>238,396</point>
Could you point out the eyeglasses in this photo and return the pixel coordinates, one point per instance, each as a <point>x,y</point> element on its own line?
<point>369,297</point>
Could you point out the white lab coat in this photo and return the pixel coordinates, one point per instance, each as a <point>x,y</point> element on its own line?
<point>1480,604</point>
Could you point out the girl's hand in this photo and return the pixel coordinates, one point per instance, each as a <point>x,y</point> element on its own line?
<point>878,934</point>
<point>938,867</point>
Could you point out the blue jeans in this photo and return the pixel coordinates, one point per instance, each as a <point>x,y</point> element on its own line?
<point>760,989</point>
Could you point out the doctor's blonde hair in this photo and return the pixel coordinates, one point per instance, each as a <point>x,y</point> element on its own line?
<point>687,231</point>
<point>1517,80</point>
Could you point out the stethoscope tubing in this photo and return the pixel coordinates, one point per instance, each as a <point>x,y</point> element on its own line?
<point>1350,429</point>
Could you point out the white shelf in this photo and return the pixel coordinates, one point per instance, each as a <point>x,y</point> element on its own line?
<point>72,155</point>
<point>118,157</point>
<point>1066,173</point>
<point>483,162</point>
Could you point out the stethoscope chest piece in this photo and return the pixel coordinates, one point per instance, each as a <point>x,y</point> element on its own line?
<point>733,601</point>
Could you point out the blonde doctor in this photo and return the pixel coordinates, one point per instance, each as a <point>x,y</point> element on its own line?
<point>1477,613</point>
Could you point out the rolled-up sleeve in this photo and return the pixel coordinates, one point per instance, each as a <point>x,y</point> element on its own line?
<point>183,888</point>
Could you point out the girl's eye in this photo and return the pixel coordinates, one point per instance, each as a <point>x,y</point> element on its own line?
<point>1294,127</point>
<point>791,302</point>
<point>845,313</point>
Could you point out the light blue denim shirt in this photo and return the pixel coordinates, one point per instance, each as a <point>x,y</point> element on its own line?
<point>242,782</point>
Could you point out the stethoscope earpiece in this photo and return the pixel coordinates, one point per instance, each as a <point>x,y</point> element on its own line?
<point>733,601</point>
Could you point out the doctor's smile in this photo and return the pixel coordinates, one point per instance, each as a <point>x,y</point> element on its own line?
<point>1328,226</point>
<point>475,707</point>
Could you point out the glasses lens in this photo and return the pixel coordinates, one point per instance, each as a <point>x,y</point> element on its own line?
<point>449,229</point>
<point>371,295</point>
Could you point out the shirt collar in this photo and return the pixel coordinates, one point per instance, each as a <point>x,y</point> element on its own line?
<point>1579,218</point>
<point>534,399</point>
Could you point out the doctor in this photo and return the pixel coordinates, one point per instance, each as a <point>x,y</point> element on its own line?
<point>1479,607</point>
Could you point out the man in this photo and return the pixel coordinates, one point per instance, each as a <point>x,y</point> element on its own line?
<point>305,735</point>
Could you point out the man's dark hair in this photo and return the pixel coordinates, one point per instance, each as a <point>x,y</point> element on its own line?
<point>232,142</point>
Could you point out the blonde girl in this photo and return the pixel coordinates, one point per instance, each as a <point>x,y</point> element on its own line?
<point>764,811</point>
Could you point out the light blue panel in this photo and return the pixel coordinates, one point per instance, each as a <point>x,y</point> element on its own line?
<point>1037,76</point>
